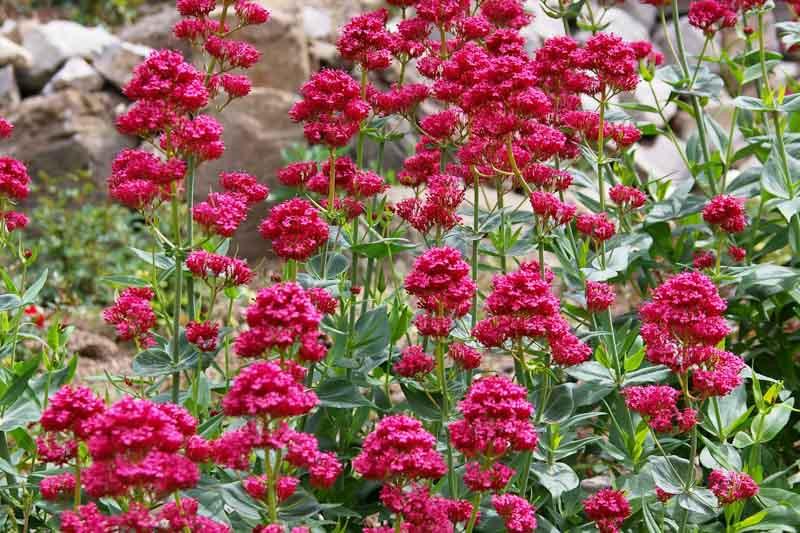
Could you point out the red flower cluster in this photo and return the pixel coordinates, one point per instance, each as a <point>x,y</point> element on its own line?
<point>596,226</point>
<point>657,404</point>
<point>599,296</point>
<point>281,317</point>
<point>440,279</point>
<point>414,363</point>
<point>133,316</point>
<point>608,509</point>
<point>332,108</point>
<point>398,451</point>
<point>225,271</point>
<point>550,211</point>
<point>171,517</point>
<point>711,16</point>
<point>626,197</point>
<point>223,213</point>
<point>140,179</point>
<point>421,511</point>
<point>14,184</point>
<point>365,41</point>
<point>730,487</point>
<point>266,390</point>
<point>522,305</point>
<point>204,335</point>
<point>727,213</point>
<point>66,422</point>
<point>295,229</point>
<point>518,515</point>
<point>464,356</point>
<point>443,196</point>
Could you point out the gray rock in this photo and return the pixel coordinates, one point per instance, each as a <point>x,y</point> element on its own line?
<point>155,30</point>
<point>660,159</point>
<point>317,23</point>
<point>116,62</point>
<point>67,131</point>
<point>285,63</point>
<point>542,27</point>
<point>51,44</point>
<point>257,129</point>
<point>621,23</point>
<point>13,54</point>
<point>9,91</point>
<point>644,95</point>
<point>596,483</point>
<point>75,74</point>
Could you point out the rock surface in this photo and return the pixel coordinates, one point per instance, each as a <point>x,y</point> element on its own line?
<point>75,74</point>
<point>67,131</point>
<point>9,92</point>
<point>117,61</point>
<point>13,54</point>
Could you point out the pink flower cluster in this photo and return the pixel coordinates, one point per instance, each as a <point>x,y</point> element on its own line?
<point>599,296</point>
<point>730,487</point>
<point>518,515</point>
<point>133,316</point>
<point>657,405</point>
<point>219,270</point>
<point>496,422</point>
<point>264,389</point>
<point>414,363</point>
<point>711,16</point>
<point>14,184</point>
<point>437,209</point>
<point>726,213</point>
<point>440,279</point>
<point>285,316</point>
<point>682,326</point>
<point>223,212</point>
<point>608,509</point>
<point>295,229</point>
<point>522,305</point>
<point>171,517</point>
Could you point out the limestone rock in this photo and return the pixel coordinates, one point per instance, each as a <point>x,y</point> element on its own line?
<point>285,62</point>
<point>693,40</point>
<point>9,91</point>
<point>542,27</point>
<point>116,62</point>
<point>13,54</point>
<point>626,25</point>
<point>660,159</point>
<point>51,44</point>
<point>155,30</point>
<point>75,74</point>
<point>67,131</point>
<point>257,129</point>
<point>317,23</point>
<point>644,95</point>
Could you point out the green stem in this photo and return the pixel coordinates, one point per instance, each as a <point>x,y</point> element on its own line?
<point>190,183</point>
<point>501,207</point>
<point>601,152</point>
<point>441,374</point>
<point>473,518</point>
<point>176,318</point>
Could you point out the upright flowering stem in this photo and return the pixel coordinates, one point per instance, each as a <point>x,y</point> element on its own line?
<point>176,317</point>
<point>601,154</point>
<point>698,114</point>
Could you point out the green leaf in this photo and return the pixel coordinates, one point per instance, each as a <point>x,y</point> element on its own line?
<point>337,264</point>
<point>720,456</point>
<point>592,372</point>
<point>36,287</point>
<point>650,374</point>
<point>389,246</point>
<point>560,404</point>
<point>152,362</point>
<point>340,393</point>
<point>557,478</point>
<point>23,374</point>
<point>425,406</point>
<point>372,334</point>
<point>669,473</point>
<point>766,427</point>
<point>9,302</point>
<point>700,503</point>
<point>161,261</point>
<point>791,104</point>
<point>750,103</point>
<point>125,281</point>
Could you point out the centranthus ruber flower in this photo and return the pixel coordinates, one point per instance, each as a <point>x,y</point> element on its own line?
<point>518,515</point>
<point>658,406</point>
<point>264,389</point>
<point>608,509</point>
<point>295,229</point>
<point>730,487</point>
<point>726,213</point>
<point>219,269</point>
<point>599,296</point>
<point>132,314</point>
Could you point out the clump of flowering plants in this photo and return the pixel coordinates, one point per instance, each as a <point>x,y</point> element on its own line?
<point>648,323</point>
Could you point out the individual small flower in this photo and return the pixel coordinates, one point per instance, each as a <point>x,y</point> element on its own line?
<point>222,213</point>
<point>627,197</point>
<point>204,335</point>
<point>737,254</point>
<point>414,363</point>
<point>295,229</point>
<point>132,314</point>
<point>730,487</point>
<point>704,260</point>
<point>399,448</point>
<point>711,16</point>
<point>264,389</point>
<point>35,315</point>
<point>518,515</point>
<point>58,486</point>
<point>599,296</point>
<point>596,226</point>
<point>464,356</point>
<point>608,509</point>
<point>727,213</point>
<point>662,495</point>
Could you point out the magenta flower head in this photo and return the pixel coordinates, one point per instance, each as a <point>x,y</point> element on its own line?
<point>608,509</point>
<point>518,515</point>
<point>599,296</point>
<point>295,229</point>
<point>399,450</point>
<point>730,487</point>
<point>264,389</point>
<point>727,213</point>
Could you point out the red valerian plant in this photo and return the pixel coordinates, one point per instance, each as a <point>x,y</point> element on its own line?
<point>531,307</point>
